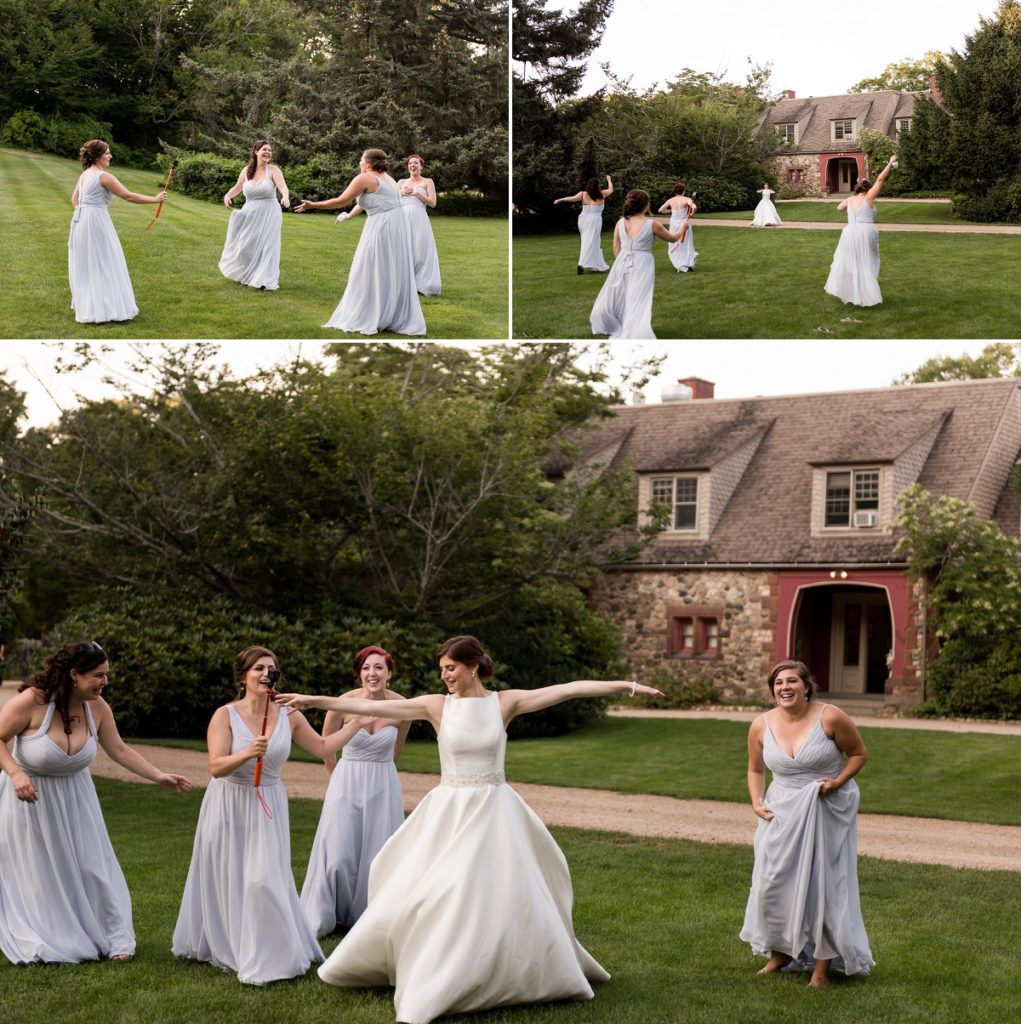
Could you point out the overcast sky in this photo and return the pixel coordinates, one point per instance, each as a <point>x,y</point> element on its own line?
<point>739,369</point>
<point>815,49</point>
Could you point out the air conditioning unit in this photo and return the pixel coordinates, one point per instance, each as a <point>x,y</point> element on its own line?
<point>861,519</point>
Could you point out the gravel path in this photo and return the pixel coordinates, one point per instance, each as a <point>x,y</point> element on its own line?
<point>816,225</point>
<point>919,840</point>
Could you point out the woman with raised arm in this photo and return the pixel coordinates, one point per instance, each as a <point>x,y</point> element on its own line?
<point>765,213</point>
<point>681,209</point>
<point>854,273</point>
<point>803,911</point>
<point>251,254</point>
<point>470,900</point>
<point>240,909</point>
<point>100,286</point>
<point>63,898</point>
<point>623,307</point>
<point>381,294</point>
<point>363,805</point>
<point>590,223</point>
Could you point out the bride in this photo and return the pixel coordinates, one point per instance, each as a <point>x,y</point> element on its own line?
<point>438,927</point>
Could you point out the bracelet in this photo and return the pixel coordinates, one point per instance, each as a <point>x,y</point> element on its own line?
<point>634,684</point>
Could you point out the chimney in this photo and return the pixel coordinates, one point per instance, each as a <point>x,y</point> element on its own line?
<point>788,94</point>
<point>934,89</point>
<point>699,388</point>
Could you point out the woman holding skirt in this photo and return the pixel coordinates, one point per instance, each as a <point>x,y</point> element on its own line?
<point>251,254</point>
<point>590,223</point>
<point>623,307</point>
<point>100,286</point>
<point>381,294</point>
<point>803,910</point>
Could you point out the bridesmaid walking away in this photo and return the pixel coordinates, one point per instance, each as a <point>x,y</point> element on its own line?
<point>623,307</point>
<point>100,286</point>
<point>380,293</point>
<point>803,909</point>
<point>590,223</point>
<point>251,254</point>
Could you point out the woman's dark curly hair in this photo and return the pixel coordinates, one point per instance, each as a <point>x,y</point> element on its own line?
<point>53,681</point>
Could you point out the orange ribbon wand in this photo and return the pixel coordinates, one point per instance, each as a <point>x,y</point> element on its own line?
<point>159,207</point>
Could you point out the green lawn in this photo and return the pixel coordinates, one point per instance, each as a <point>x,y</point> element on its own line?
<point>956,776</point>
<point>901,212</point>
<point>662,916</point>
<point>178,288</point>
<point>769,284</point>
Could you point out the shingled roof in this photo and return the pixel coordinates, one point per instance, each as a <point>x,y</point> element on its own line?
<point>814,115</point>
<point>965,438</point>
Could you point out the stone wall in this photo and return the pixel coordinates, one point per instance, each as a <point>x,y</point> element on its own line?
<point>639,604</point>
<point>811,180</point>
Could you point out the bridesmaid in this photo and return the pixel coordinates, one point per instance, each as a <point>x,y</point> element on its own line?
<point>251,254</point>
<point>240,908</point>
<point>590,222</point>
<point>804,903</point>
<point>63,898</point>
<point>681,208</point>
<point>381,294</point>
<point>623,307</point>
<point>100,287</point>
<point>363,805</point>
<point>416,194</point>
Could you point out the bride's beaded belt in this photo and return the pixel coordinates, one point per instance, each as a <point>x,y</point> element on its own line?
<point>473,779</point>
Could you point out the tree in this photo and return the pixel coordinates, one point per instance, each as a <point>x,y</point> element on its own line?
<point>971,140</point>
<point>972,570</point>
<point>549,49</point>
<point>997,359</point>
<point>905,75</point>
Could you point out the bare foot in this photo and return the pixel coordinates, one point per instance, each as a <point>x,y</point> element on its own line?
<point>775,962</point>
<point>818,981</point>
<point>121,958</point>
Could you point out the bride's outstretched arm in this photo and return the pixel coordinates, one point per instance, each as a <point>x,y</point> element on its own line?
<point>521,702</point>
<point>428,707</point>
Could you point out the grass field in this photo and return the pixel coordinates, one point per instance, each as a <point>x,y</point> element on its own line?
<point>662,916</point>
<point>178,288</point>
<point>957,776</point>
<point>769,284</point>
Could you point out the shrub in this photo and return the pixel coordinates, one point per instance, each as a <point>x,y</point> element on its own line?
<point>794,192</point>
<point>1001,203</point>
<point>681,691</point>
<point>466,203</point>
<point>26,130</point>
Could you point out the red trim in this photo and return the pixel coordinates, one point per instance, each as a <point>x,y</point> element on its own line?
<point>893,581</point>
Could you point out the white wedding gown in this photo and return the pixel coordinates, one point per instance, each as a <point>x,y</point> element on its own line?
<point>765,212</point>
<point>470,900</point>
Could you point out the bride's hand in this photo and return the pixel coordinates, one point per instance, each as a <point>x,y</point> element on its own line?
<point>292,701</point>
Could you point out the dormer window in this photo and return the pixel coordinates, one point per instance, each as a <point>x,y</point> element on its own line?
<point>680,495</point>
<point>788,133</point>
<point>852,499</point>
<point>843,130</point>
<point>902,124</point>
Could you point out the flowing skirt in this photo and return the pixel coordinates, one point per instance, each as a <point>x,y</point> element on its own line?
<point>423,247</point>
<point>251,254</point>
<point>362,809</point>
<point>804,897</point>
<point>623,307</point>
<point>765,214</point>
<point>63,898</point>
<point>682,254</point>
<point>381,294</point>
<point>590,224</point>
<point>240,909</point>
<point>469,908</point>
<point>98,273</point>
<point>854,273</point>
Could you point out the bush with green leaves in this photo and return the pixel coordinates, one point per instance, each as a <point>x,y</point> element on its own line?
<point>973,573</point>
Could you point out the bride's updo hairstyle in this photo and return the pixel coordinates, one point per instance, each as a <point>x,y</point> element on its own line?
<point>635,202</point>
<point>803,673</point>
<point>466,650</point>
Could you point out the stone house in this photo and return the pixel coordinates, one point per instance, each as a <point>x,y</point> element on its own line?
<point>781,541</point>
<point>820,151</point>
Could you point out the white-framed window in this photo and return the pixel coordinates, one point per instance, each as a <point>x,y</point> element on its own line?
<point>843,129</point>
<point>680,495</point>
<point>902,124</point>
<point>852,499</point>
<point>788,133</point>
